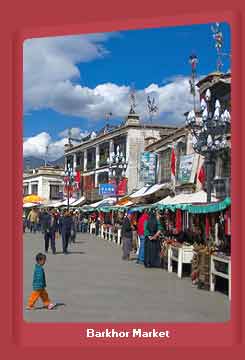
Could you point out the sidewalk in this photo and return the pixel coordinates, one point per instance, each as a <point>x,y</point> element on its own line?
<point>97,286</point>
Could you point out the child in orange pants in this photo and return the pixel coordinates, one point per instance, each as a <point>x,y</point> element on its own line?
<point>39,285</point>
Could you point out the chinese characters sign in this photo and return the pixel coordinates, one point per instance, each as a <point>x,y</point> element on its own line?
<point>107,189</point>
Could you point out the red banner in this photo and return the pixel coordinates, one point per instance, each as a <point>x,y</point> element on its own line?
<point>122,187</point>
<point>78,179</point>
<point>88,182</point>
<point>70,188</point>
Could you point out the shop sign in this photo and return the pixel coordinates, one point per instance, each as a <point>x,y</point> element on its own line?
<point>107,189</point>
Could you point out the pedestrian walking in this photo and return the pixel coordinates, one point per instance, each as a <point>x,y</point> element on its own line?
<point>140,229</point>
<point>24,221</point>
<point>66,226</point>
<point>49,228</point>
<point>97,226</point>
<point>73,227</point>
<point>126,236</point>
<point>33,219</point>
<point>84,225</point>
<point>39,285</point>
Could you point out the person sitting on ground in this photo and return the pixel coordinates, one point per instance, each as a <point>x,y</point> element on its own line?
<point>39,285</point>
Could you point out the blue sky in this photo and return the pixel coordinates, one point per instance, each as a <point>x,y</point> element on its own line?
<point>72,81</point>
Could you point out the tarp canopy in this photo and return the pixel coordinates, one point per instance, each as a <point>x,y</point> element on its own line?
<point>195,203</point>
<point>199,197</point>
<point>33,199</point>
<point>30,205</point>
<point>79,201</point>
<point>99,204</point>
<point>148,190</point>
<point>62,203</point>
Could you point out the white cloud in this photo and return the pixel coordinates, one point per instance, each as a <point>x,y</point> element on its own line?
<point>50,62</point>
<point>76,133</point>
<point>51,79</point>
<point>37,146</point>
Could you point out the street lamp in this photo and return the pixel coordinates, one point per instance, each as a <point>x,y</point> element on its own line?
<point>69,181</point>
<point>117,167</point>
<point>209,133</point>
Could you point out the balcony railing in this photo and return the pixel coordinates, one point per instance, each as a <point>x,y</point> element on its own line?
<point>103,161</point>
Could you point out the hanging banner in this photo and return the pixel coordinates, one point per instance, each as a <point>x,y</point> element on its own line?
<point>122,187</point>
<point>148,167</point>
<point>88,182</point>
<point>185,169</point>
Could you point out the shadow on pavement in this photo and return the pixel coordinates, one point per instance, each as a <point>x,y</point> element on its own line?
<point>71,252</point>
<point>58,304</point>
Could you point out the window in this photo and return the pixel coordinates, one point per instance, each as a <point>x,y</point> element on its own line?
<point>103,178</point>
<point>34,189</point>
<point>226,163</point>
<point>54,192</point>
<point>80,160</point>
<point>91,157</point>
<point>165,165</point>
<point>25,190</point>
<point>120,141</point>
<point>104,153</point>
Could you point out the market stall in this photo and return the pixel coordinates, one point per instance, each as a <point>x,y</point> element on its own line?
<point>205,222</point>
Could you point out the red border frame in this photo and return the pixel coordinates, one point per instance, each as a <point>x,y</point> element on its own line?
<point>47,18</point>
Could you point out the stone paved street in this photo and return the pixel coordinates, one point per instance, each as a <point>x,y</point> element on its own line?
<point>97,286</point>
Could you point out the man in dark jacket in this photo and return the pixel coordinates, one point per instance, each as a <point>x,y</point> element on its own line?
<point>126,236</point>
<point>49,224</point>
<point>66,226</point>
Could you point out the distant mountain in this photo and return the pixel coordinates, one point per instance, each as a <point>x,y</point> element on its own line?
<point>31,162</point>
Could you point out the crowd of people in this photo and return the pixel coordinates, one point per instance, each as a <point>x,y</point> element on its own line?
<point>153,229</point>
<point>53,223</point>
<point>142,232</point>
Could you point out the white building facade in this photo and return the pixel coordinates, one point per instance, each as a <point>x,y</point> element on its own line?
<point>46,182</point>
<point>90,157</point>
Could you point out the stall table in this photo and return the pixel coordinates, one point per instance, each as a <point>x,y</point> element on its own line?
<point>220,266</point>
<point>182,254</point>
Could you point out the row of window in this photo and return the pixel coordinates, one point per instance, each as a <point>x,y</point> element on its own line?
<point>104,150</point>
<point>54,191</point>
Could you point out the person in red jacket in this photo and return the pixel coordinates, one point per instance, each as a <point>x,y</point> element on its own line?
<point>141,224</point>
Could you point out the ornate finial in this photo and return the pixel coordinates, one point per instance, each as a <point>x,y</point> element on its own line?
<point>69,137</point>
<point>107,118</point>
<point>218,37</point>
<point>46,155</point>
<point>152,107</point>
<point>193,60</point>
<point>132,100</point>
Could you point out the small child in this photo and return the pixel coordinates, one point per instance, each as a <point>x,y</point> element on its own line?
<point>39,285</point>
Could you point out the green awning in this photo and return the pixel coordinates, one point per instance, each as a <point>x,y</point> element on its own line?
<point>191,208</point>
<point>210,208</point>
<point>198,209</point>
